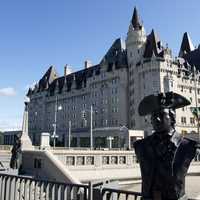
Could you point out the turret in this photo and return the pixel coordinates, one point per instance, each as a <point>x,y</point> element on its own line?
<point>136,39</point>
<point>186,45</point>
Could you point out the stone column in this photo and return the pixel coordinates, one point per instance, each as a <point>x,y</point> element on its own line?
<point>26,143</point>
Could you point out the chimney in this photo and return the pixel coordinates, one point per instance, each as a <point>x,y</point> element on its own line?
<point>65,70</point>
<point>88,64</point>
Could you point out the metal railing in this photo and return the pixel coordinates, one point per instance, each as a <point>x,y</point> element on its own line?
<point>23,188</point>
<point>87,149</point>
<point>110,194</point>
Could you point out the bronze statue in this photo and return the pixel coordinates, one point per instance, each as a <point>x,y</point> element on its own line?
<point>165,155</point>
<point>16,158</point>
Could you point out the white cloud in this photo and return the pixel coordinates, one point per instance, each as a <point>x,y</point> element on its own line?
<point>9,91</point>
<point>7,125</point>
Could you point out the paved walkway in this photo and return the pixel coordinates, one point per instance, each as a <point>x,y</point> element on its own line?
<point>192,187</point>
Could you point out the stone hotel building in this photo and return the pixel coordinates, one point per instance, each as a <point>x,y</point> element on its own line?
<point>129,71</point>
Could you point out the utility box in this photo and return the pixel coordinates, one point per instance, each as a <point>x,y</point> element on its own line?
<point>45,141</point>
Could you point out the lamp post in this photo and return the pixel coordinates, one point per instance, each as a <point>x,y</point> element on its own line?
<point>69,136</point>
<point>54,135</point>
<point>91,132</point>
<point>35,127</point>
<point>196,100</point>
<point>91,126</point>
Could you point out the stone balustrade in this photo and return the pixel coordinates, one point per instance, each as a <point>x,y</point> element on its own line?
<point>96,158</point>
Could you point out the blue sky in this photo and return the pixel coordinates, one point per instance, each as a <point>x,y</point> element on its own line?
<point>37,34</point>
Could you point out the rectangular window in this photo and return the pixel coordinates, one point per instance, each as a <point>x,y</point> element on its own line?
<point>192,121</point>
<point>115,109</point>
<point>183,132</point>
<point>37,163</point>
<point>183,120</point>
<point>106,122</point>
<point>181,88</point>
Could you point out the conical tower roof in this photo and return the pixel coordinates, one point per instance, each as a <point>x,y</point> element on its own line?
<point>136,20</point>
<point>186,45</point>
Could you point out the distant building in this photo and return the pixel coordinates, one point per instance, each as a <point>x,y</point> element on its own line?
<point>129,71</point>
<point>8,136</point>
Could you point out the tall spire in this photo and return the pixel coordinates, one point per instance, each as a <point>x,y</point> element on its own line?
<point>136,20</point>
<point>25,139</point>
<point>186,45</point>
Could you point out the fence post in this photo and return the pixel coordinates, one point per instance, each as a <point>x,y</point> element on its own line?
<point>90,191</point>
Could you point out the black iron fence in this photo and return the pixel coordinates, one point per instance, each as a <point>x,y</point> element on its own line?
<point>26,188</point>
<point>23,188</point>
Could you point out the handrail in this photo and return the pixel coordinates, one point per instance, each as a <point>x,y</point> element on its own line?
<point>43,180</point>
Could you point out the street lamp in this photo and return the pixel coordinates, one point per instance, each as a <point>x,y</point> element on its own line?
<point>35,126</point>
<point>196,100</point>
<point>91,126</point>
<point>54,135</point>
<point>69,139</point>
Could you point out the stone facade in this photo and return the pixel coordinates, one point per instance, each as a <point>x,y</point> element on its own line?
<point>153,69</point>
<point>103,86</point>
<point>129,71</point>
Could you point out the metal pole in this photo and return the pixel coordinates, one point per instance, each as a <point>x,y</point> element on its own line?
<point>91,133</point>
<point>55,121</point>
<point>69,142</point>
<point>90,191</point>
<point>196,101</point>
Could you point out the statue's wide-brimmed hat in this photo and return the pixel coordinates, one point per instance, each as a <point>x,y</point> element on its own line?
<point>154,103</point>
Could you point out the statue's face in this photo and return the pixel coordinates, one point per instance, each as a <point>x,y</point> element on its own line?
<point>161,121</point>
